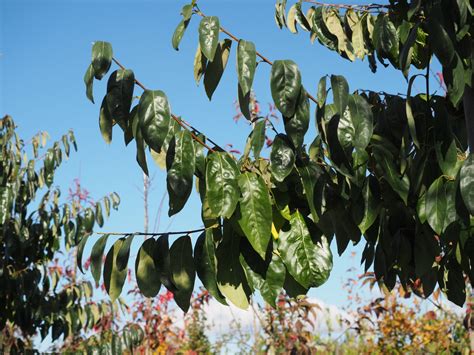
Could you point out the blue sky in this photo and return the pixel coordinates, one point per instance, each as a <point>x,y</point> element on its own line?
<point>45,48</point>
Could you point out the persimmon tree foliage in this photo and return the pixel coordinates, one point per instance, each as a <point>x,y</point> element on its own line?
<point>34,227</point>
<point>395,169</point>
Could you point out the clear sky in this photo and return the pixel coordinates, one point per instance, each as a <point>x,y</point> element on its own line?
<point>45,49</point>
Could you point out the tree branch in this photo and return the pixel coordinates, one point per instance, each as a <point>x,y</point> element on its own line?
<point>155,234</point>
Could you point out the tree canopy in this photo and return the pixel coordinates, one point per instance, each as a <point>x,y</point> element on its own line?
<point>393,169</point>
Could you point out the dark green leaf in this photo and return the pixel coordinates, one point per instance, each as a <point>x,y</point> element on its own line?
<point>285,84</point>
<point>258,138</point>
<point>216,68</point>
<point>386,38</point>
<point>154,118</point>
<point>105,122</point>
<point>179,33</point>
<point>140,144</point>
<point>407,51</point>
<point>209,36</point>
<point>205,262</point>
<point>308,262</point>
<point>89,81</point>
<point>148,276</point>
<point>355,125</point>
<point>467,183</point>
<point>183,271</point>
<point>340,90</point>
<point>440,41</point>
<point>124,253</point>
<point>274,280</point>
<point>101,58</point>
<point>162,262</point>
<point>282,157</point>
<point>322,92</point>
<point>436,205</point>
<point>244,103</point>
<point>113,277</point>
<point>99,217</point>
<point>80,251</point>
<point>246,64</point>
<point>410,117</point>
<point>222,190</point>
<point>119,94</point>
<point>179,179</point>
<point>297,125</point>
<point>96,257</point>
<point>256,212</point>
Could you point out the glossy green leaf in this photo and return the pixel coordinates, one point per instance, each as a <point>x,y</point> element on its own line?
<point>148,276</point>
<point>179,33</point>
<point>154,115</point>
<point>183,271</point>
<point>340,90</point>
<point>80,251</point>
<point>140,144</point>
<point>89,82</point>
<point>297,125</point>
<point>101,58</point>
<point>99,217</point>
<point>301,18</point>
<point>119,94</point>
<point>96,257</point>
<point>105,122</point>
<point>179,178</point>
<point>309,262</point>
<point>200,63</point>
<point>258,138</point>
<point>89,219</point>
<point>436,205</point>
<point>310,174</point>
<point>209,36</point>
<point>285,84</point>
<point>230,275</point>
<point>409,112</point>
<point>246,64</point>
<point>467,183</point>
<point>124,252</point>
<point>370,207</point>
<point>244,103</point>
<point>255,212</point>
<point>355,126</point>
<point>282,157</point>
<point>162,262</point>
<point>407,50</point>
<point>440,41</point>
<point>113,277</point>
<point>222,190</point>
<point>322,92</point>
<point>386,37</point>
<point>274,280</point>
<point>215,69</point>
<point>205,263</point>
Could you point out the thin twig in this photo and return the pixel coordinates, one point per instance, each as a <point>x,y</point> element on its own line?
<point>366,7</point>
<point>179,120</point>
<point>155,234</point>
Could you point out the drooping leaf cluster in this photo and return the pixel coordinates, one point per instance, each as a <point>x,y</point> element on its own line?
<point>31,296</point>
<point>394,170</point>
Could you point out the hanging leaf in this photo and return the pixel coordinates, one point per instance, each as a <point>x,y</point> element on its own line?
<point>301,18</point>
<point>113,277</point>
<point>358,38</point>
<point>140,144</point>
<point>355,126</point>
<point>407,50</point>
<point>386,38</point>
<point>124,252</point>
<point>230,275</point>
<point>154,115</point>
<point>282,157</point>
<point>89,81</point>
<point>105,122</point>
<point>99,217</point>
<point>244,103</point>
<point>297,125</point>
<point>333,24</point>
<point>148,276</point>
<point>101,58</point>
<point>179,178</point>
<point>205,263</point>
<point>222,190</point>
<point>258,138</point>
<point>340,90</point>
<point>308,262</point>
<point>96,258</point>
<point>256,212</point>
<point>162,262</point>
<point>200,63</point>
<point>436,205</point>
<point>440,41</point>
<point>274,280</point>
<point>80,251</point>
<point>285,84</point>
<point>179,33</point>
<point>183,271</point>
<point>322,93</point>
<point>209,36</point>
<point>409,112</point>
<point>119,94</point>
<point>369,210</point>
<point>246,64</point>
<point>216,68</point>
<point>310,174</point>
<point>467,183</point>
